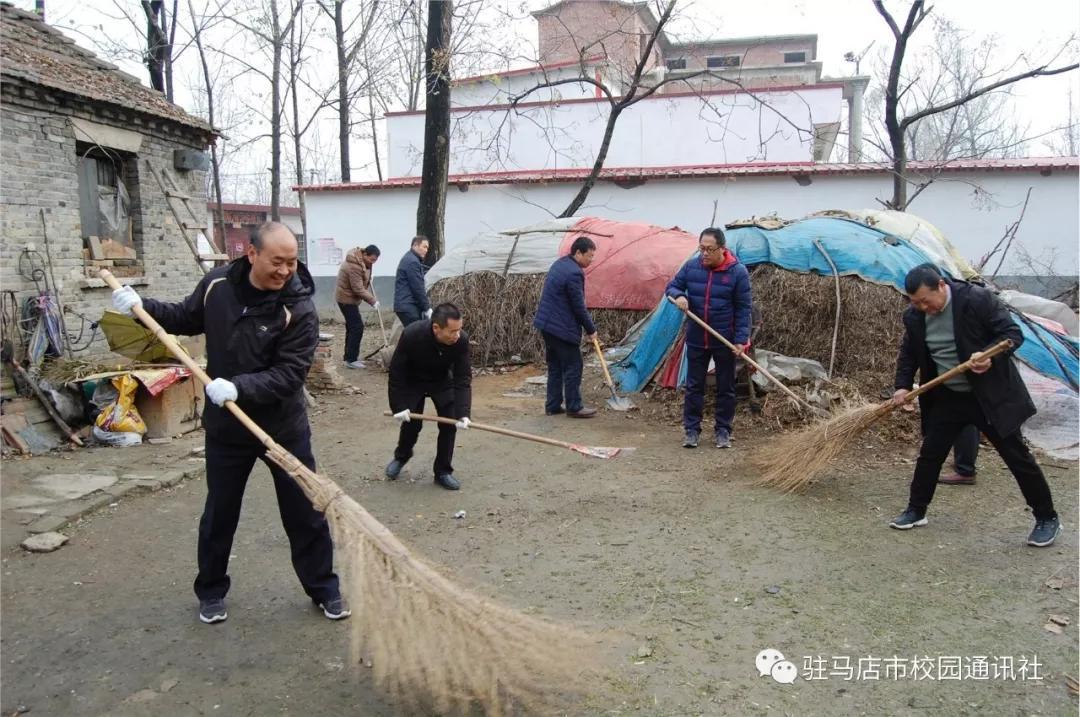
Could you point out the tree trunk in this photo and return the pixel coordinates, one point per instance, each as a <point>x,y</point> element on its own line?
<point>374,135</point>
<point>892,126</point>
<point>294,61</point>
<point>343,90</point>
<point>275,117</point>
<point>431,208</point>
<point>598,164</point>
<point>155,44</point>
<point>215,165</point>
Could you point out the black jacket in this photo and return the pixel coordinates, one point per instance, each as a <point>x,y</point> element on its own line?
<point>980,320</point>
<point>423,367</point>
<point>265,349</point>
<point>409,293</point>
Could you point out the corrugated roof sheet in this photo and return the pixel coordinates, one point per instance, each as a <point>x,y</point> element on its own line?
<point>629,174</point>
<point>35,52</point>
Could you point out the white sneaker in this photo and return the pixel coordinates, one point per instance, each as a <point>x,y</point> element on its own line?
<point>355,364</point>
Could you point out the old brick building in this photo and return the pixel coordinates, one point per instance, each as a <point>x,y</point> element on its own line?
<point>78,140</point>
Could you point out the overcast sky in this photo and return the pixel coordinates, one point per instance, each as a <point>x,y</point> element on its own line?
<point>842,26</point>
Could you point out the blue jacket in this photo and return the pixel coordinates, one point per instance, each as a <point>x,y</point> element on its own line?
<point>409,293</point>
<point>562,312</point>
<point>720,296</point>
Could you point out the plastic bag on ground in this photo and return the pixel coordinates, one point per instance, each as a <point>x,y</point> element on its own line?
<point>120,416</point>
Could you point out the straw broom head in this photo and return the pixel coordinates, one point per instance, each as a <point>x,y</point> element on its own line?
<point>433,644</point>
<point>793,461</point>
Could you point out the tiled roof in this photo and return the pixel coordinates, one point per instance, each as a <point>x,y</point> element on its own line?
<point>34,52</point>
<point>616,174</point>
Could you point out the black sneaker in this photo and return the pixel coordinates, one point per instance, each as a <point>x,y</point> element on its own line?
<point>1045,532</point>
<point>393,468</point>
<point>211,611</point>
<point>909,519</point>
<point>691,439</point>
<point>448,481</point>
<point>335,608</point>
<point>723,438</point>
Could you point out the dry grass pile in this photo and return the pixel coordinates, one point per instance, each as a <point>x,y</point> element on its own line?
<point>799,310</point>
<point>498,313</point>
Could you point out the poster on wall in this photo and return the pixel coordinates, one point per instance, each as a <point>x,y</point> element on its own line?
<point>328,253</point>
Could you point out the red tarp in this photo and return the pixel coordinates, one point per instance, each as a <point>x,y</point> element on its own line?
<point>633,264</point>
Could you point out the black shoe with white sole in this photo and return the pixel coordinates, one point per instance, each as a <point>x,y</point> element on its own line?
<point>335,608</point>
<point>691,439</point>
<point>909,519</point>
<point>211,611</point>
<point>1045,532</point>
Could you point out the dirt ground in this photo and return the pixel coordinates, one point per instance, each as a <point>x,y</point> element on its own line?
<point>686,568</point>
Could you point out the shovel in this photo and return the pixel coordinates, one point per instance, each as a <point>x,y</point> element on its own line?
<point>616,402</point>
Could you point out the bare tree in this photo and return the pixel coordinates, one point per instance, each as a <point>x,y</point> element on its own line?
<point>898,122</point>
<point>160,34</point>
<point>199,25</point>
<point>1065,141</point>
<point>347,53</point>
<point>272,30</point>
<point>431,206</point>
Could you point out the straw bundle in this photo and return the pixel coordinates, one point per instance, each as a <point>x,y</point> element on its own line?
<point>794,460</point>
<point>498,313</point>
<point>435,645</point>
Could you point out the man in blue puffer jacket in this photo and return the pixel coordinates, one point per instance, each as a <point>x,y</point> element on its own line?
<point>716,287</point>
<point>560,317</point>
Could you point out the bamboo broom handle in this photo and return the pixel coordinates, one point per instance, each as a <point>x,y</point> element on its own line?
<point>603,363</point>
<point>745,357</point>
<point>189,363</point>
<point>492,429</point>
<point>1003,345</point>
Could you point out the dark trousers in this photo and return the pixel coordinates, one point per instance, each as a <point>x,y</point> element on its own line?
<point>354,331</point>
<point>228,466</point>
<point>697,368</point>
<point>948,415</point>
<point>410,432</point>
<point>564,373</point>
<point>407,317</point>
<point>965,451</point>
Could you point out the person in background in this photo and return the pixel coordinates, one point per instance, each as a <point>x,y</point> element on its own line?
<point>714,286</point>
<point>560,318</point>
<point>431,361</point>
<point>410,298</point>
<point>354,286</point>
<point>965,452</point>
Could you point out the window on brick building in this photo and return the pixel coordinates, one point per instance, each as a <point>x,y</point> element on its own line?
<point>679,64</point>
<point>794,57</point>
<point>105,179</point>
<point>723,61</point>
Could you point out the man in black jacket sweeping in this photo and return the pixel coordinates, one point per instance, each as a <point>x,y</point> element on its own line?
<point>431,361</point>
<point>947,322</point>
<point>261,332</point>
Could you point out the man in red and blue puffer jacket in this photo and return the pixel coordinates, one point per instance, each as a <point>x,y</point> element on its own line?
<point>716,287</point>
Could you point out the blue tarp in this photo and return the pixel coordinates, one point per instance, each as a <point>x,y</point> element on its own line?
<point>856,249</point>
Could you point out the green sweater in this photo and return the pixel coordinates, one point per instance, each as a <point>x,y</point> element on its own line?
<point>941,340</point>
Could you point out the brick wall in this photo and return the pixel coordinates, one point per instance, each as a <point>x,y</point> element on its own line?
<point>39,160</point>
<point>573,25</point>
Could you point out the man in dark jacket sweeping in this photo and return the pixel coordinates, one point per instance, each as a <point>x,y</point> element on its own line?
<point>431,361</point>
<point>410,297</point>
<point>261,332</point>
<point>948,322</point>
<point>560,317</point>
<point>715,287</point>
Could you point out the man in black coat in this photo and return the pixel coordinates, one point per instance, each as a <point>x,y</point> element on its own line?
<point>431,361</point>
<point>261,332</point>
<point>948,323</point>
<point>410,297</point>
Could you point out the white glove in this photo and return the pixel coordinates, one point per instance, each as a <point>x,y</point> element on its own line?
<point>402,416</point>
<point>428,313</point>
<point>375,306</point>
<point>221,390</point>
<point>125,299</point>
<point>464,423</point>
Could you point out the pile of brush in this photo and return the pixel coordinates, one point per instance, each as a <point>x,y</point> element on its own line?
<point>498,314</point>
